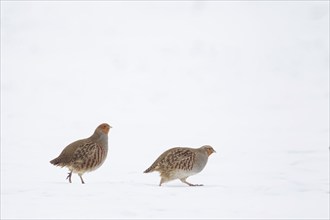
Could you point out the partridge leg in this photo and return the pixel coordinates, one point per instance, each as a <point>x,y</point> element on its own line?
<point>82,181</point>
<point>190,184</point>
<point>161,181</point>
<point>69,176</point>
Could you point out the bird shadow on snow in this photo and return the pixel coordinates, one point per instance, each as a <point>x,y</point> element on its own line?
<point>132,183</point>
<point>139,184</point>
<point>186,186</point>
<point>179,185</point>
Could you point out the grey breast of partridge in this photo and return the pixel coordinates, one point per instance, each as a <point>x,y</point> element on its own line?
<point>180,163</point>
<point>85,155</point>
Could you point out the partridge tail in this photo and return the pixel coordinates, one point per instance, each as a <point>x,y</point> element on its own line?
<point>154,166</point>
<point>151,168</point>
<point>148,170</point>
<point>56,162</point>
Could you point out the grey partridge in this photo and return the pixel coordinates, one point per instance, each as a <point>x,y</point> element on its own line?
<point>180,163</point>
<point>85,155</point>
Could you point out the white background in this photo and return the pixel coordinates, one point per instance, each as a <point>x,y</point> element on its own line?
<point>249,78</point>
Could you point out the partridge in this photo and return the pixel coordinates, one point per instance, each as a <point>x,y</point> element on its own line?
<point>180,163</point>
<point>85,155</point>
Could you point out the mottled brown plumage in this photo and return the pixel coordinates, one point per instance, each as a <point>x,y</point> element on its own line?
<point>85,155</point>
<point>180,163</point>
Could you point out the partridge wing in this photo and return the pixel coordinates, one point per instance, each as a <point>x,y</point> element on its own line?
<point>178,158</point>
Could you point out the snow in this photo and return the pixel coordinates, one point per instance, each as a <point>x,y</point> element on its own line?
<point>248,78</point>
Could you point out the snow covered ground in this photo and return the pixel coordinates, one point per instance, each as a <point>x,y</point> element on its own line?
<point>249,78</point>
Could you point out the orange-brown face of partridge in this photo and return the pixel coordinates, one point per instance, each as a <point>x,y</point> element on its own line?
<point>104,128</point>
<point>210,150</point>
